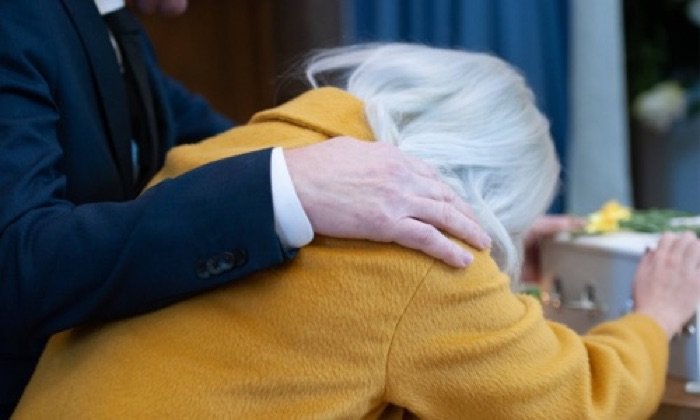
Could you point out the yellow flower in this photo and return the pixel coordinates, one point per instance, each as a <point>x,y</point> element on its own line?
<point>608,218</point>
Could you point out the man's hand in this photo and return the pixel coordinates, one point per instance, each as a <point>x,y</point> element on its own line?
<point>543,227</point>
<point>365,190</point>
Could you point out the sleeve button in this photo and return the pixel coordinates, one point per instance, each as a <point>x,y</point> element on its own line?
<point>240,257</point>
<point>227,261</point>
<point>202,270</point>
<point>214,265</point>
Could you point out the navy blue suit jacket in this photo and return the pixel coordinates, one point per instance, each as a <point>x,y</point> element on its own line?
<point>75,246</point>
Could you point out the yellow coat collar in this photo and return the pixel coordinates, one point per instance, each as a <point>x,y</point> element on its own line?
<point>327,110</point>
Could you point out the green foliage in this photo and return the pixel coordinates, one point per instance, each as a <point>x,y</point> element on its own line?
<point>658,220</point>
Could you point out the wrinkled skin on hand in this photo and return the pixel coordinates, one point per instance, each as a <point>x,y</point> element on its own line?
<point>164,7</point>
<point>667,283</point>
<point>366,190</point>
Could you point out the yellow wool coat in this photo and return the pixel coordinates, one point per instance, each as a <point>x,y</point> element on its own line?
<point>349,329</point>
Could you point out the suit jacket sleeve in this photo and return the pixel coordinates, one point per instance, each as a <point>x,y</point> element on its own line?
<point>63,264</point>
<point>466,346</point>
<point>194,119</point>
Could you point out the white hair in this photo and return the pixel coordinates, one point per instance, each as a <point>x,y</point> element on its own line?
<point>469,115</point>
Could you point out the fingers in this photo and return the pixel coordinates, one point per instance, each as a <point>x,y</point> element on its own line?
<point>432,186</point>
<point>550,224</point>
<point>455,200</point>
<point>672,249</point>
<point>450,198</point>
<point>437,204</point>
<point>416,235</point>
<point>666,242</point>
<point>433,205</point>
<point>422,168</point>
<point>691,254</point>
<point>448,217</point>
<point>679,243</point>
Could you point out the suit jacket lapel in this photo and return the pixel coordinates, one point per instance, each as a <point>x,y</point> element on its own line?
<point>108,80</point>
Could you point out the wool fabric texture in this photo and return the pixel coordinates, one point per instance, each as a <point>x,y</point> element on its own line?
<point>348,329</point>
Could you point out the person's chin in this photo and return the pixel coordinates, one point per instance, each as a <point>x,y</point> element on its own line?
<point>163,7</point>
<point>173,7</point>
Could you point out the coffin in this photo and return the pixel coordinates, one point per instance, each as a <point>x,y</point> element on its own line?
<point>588,280</point>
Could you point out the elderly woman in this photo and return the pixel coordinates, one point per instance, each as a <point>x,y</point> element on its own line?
<point>353,329</point>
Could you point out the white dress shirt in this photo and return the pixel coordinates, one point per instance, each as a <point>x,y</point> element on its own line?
<point>108,6</point>
<point>291,223</point>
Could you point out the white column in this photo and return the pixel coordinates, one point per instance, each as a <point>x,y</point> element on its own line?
<point>599,168</point>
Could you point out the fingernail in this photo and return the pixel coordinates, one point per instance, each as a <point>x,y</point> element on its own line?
<point>467,259</point>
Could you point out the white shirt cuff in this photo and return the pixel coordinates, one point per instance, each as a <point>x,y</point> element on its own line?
<point>291,223</point>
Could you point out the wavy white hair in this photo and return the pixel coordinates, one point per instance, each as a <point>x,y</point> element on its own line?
<point>470,115</point>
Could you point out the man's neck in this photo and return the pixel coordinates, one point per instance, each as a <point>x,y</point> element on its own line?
<point>107,6</point>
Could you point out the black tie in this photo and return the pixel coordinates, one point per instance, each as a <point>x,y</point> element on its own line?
<point>126,31</point>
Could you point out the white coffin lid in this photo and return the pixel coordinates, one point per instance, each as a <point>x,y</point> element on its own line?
<point>634,243</point>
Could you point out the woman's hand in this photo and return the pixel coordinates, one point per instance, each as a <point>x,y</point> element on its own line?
<point>542,228</point>
<point>667,283</point>
<point>365,190</point>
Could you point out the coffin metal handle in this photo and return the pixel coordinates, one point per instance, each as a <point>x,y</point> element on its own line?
<point>587,301</point>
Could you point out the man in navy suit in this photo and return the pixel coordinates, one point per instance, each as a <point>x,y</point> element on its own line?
<point>77,242</point>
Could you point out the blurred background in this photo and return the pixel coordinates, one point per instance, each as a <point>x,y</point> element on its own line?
<point>618,79</point>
